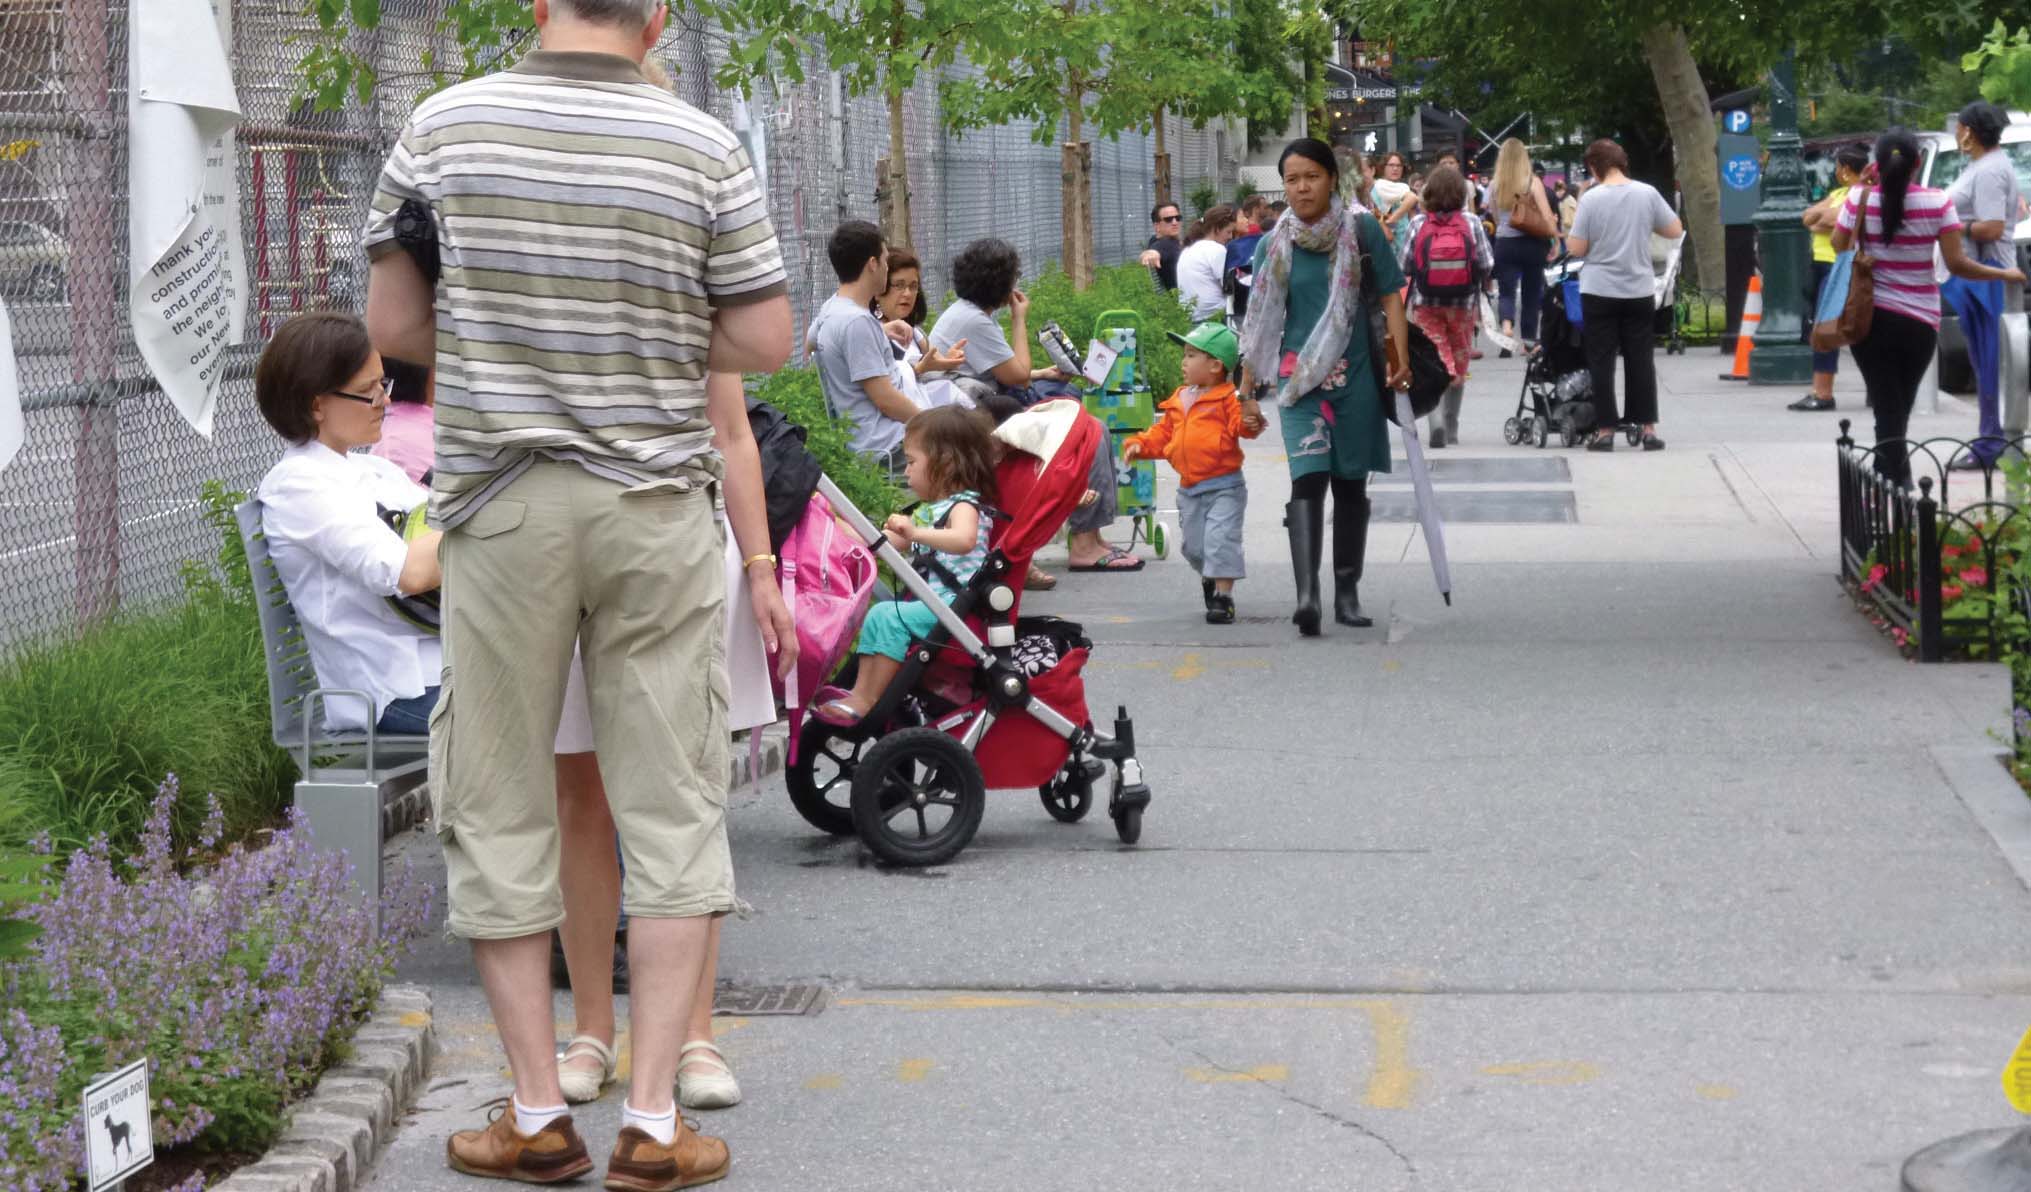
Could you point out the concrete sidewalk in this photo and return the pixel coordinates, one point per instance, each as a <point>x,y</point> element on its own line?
<point>1648,864</point>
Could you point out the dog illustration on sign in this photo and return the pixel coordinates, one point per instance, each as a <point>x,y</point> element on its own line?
<point>118,1132</point>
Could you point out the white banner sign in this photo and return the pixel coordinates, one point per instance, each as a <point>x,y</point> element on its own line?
<point>187,279</point>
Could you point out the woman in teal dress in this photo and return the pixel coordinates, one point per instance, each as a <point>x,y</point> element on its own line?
<point>1307,336</point>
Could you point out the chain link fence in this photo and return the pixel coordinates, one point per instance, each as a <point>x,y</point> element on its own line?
<point>99,511</point>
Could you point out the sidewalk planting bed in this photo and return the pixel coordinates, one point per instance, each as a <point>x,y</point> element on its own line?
<point>1945,567</point>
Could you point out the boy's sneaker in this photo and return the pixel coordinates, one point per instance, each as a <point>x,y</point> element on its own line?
<point>1206,592</point>
<point>1219,609</point>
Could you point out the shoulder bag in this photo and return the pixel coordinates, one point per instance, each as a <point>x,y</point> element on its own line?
<point>1528,218</point>
<point>1857,305</point>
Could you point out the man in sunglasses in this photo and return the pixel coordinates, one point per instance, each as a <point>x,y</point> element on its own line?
<point>1167,223</point>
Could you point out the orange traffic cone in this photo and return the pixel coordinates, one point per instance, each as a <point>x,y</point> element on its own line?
<point>1752,314</point>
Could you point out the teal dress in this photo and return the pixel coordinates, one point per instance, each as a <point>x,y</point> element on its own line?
<point>1353,441</point>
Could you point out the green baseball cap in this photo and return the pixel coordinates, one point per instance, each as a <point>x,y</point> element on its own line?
<point>1216,341</point>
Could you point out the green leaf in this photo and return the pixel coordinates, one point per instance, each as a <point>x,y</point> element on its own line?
<point>366,13</point>
<point>328,12</point>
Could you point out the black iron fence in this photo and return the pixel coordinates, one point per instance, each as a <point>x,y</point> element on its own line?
<point>1945,562</point>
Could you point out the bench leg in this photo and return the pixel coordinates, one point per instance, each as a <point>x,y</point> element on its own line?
<point>345,818</point>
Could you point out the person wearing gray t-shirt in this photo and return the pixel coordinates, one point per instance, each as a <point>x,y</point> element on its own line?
<point>855,365</point>
<point>1618,287</point>
<point>1986,198</point>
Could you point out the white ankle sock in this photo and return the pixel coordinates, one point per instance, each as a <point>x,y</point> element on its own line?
<point>660,1126</point>
<point>530,1119</point>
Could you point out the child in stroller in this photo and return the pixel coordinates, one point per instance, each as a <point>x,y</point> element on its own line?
<point>1557,393</point>
<point>980,697</point>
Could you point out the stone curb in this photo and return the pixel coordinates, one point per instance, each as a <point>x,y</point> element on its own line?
<point>335,1133</point>
<point>1977,775</point>
<point>412,807</point>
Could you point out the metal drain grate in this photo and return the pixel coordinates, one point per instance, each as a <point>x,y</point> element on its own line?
<point>759,1000</point>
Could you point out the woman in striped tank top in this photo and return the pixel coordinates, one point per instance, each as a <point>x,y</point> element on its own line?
<point>1888,218</point>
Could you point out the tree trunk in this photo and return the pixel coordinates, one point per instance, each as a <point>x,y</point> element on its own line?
<point>895,183</point>
<point>1689,115</point>
<point>1077,256</point>
<point>1163,163</point>
<point>894,189</point>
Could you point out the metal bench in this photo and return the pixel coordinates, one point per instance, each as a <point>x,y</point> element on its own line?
<point>347,778</point>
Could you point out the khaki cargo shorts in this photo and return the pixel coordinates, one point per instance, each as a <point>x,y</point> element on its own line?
<point>637,578</point>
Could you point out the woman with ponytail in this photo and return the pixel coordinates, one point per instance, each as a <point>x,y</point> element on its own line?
<point>1204,262</point>
<point>1306,338</point>
<point>1896,223</point>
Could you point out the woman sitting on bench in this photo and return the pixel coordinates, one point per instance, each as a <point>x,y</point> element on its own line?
<point>321,385</point>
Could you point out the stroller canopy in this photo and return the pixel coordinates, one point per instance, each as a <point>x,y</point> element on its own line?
<point>1042,479</point>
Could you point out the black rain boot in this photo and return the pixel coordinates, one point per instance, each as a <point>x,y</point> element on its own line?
<point>1306,520</point>
<point>1350,547</point>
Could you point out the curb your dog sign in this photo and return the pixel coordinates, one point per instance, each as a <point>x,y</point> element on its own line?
<point>117,1142</point>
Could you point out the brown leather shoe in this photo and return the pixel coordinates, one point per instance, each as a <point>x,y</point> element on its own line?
<point>641,1164</point>
<point>554,1155</point>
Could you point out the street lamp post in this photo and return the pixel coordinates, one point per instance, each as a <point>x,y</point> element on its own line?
<point>1783,246</point>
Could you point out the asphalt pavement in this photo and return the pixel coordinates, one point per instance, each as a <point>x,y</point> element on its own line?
<point>1648,864</point>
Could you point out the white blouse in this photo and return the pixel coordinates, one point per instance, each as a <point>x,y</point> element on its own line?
<point>339,562</point>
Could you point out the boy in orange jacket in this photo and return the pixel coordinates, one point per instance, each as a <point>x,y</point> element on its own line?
<point>1200,434</point>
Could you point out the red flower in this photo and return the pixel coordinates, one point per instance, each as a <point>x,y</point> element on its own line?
<point>1977,576</point>
<point>1950,591</point>
<point>1898,635</point>
<point>1974,542</point>
<point>1876,575</point>
<point>1950,552</point>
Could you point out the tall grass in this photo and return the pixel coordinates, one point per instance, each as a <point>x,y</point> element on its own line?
<point>90,723</point>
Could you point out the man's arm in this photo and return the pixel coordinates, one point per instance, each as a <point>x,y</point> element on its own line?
<point>751,337</point>
<point>890,400</point>
<point>747,509</point>
<point>401,309</point>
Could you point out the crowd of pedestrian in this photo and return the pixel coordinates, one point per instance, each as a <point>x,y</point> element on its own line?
<point>601,554</point>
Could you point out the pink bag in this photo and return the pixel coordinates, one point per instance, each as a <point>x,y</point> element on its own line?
<point>827,576</point>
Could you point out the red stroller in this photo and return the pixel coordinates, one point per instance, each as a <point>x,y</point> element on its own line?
<point>989,699</point>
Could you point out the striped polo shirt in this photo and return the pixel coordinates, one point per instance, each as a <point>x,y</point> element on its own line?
<point>1903,276</point>
<point>589,222</point>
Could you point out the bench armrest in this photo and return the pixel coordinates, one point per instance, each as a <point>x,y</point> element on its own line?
<point>312,702</point>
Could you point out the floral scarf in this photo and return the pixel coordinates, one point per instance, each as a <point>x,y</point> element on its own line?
<point>1262,335</point>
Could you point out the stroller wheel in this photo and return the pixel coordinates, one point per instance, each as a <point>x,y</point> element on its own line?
<point>1157,540</point>
<point>1540,432</point>
<point>1634,434</point>
<point>1569,435</point>
<point>1512,432</point>
<point>1128,824</point>
<point>918,797</point>
<point>1069,796</point>
<point>822,777</point>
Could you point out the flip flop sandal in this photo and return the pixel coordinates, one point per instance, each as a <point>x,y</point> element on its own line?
<point>704,1080</point>
<point>1109,561</point>
<point>837,713</point>
<point>579,1084</point>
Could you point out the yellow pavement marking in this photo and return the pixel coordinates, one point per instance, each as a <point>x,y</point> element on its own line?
<point>1192,666</point>
<point>1391,666</point>
<point>1392,1085</point>
<point>414,1018</point>
<point>1548,1073</point>
<point>825,1082</point>
<point>721,1026</point>
<point>1716,1092</point>
<point>1259,1074</point>
<point>914,1071</point>
<point>1394,1082</point>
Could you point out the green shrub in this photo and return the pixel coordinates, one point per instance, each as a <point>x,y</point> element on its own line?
<point>90,723</point>
<point>796,392</point>
<point>1122,287</point>
<point>1202,197</point>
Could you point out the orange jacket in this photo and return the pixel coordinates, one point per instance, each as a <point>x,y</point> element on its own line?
<point>1202,442</point>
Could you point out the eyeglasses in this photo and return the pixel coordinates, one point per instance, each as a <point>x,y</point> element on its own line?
<point>1171,219</point>
<point>385,389</point>
<point>907,287</point>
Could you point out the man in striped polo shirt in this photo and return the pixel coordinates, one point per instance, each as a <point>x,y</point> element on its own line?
<point>602,246</point>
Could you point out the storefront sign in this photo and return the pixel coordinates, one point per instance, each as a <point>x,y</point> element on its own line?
<point>187,273</point>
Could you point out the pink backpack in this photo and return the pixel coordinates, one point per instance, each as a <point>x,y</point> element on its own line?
<point>1442,257</point>
<point>827,576</point>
